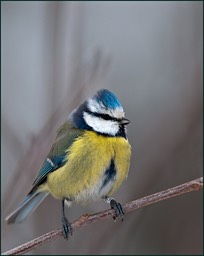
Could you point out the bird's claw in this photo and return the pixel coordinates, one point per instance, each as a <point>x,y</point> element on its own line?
<point>66,228</point>
<point>118,209</point>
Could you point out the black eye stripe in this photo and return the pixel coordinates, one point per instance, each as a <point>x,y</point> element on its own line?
<point>103,116</point>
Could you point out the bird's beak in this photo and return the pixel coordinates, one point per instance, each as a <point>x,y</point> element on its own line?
<point>124,121</point>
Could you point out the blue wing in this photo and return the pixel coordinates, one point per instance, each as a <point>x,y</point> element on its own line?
<point>56,158</point>
<point>49,165</point>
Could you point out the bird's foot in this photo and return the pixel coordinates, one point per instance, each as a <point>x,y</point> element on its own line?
<point>118,209</point>
<point>66,228</point>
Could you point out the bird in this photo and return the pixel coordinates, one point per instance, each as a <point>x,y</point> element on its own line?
<point>88,161</point>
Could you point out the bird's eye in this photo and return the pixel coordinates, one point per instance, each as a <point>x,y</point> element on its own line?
<point>106,117</point>
<point>103,116</point>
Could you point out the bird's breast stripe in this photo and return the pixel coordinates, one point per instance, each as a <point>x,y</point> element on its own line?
<point>109,174</point>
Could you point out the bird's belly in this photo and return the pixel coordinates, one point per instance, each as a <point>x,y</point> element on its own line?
<point>93,193</point>
<point>96,166</point>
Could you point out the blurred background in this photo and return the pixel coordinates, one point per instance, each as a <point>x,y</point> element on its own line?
<point>54,55</point>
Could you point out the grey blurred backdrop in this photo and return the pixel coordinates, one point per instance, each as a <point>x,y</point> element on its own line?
<point>54,55</point>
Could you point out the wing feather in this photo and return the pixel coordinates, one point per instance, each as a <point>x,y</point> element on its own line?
<point>56,158</point>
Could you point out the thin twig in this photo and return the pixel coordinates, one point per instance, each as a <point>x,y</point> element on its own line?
<point>84,220</point>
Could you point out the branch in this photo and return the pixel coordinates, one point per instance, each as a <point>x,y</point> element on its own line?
<point>86,219</point>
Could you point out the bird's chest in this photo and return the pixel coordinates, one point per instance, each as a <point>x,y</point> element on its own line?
<point>96,166</point>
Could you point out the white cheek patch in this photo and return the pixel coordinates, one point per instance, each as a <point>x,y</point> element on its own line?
<point>100,125</point>
<point>96,107</point>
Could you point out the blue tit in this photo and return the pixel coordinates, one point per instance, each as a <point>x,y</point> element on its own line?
<point>89,159</point>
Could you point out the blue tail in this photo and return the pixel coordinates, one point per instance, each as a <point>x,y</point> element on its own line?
<point>30,203</point>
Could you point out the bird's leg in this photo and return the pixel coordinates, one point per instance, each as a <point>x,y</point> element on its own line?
<point>66,226</point>
<point>116,206</point>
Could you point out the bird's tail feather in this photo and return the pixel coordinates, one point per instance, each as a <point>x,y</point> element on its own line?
<point>30,203</point>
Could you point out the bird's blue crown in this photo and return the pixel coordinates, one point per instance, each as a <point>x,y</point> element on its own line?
<point>107,98</point>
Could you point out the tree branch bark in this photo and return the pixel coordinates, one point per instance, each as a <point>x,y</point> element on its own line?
<point>86,219</point>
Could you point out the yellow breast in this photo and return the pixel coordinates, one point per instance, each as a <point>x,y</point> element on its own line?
<point>88,158</point>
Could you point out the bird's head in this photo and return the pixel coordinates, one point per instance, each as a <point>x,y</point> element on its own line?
<point>102,113</point>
